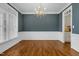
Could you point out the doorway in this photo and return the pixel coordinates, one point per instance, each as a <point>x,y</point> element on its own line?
<point>67,25</point>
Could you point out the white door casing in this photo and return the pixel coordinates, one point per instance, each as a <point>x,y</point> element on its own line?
<point>63,19</point>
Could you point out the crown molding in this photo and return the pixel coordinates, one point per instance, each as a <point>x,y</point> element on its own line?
<point>34,13</point>
<point>13,6</point>
<point>45,12</point>
<point>49,12</point>
<point>64,8</point>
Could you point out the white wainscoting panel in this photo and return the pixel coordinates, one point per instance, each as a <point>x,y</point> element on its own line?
<point>8,44</point>
<point>8,22</point>
<point>75,42</point>
<point>39,35</point>
<point>61,36</point>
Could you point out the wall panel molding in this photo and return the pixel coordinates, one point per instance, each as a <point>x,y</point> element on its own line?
<point>41,35</point>
<point>75,42</point>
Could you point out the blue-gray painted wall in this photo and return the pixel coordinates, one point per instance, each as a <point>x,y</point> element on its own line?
<point>60,22</point>
<point>75,17</point>
<point>48,22</point>
<point>20,22</point>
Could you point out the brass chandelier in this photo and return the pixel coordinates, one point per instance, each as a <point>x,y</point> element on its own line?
<point>39,11</point>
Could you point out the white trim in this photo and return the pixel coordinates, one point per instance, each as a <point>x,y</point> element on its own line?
<point>39,35</point>
<point>8,8</point>
<point>6,45</point>
<point>60,37</point>
<point>63,20</point>
<point>75,42</point>
<point>64,8</point>
<point>34,13</point>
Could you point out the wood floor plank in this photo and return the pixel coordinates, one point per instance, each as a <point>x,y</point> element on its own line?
<point>41,48</point>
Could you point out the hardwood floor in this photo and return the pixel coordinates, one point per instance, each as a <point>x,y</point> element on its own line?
<point>40,48</point>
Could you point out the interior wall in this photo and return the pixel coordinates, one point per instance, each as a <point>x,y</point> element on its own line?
<point>24,26</point>
<point>60,22</point>
<point>39,35</point>
<point>11,26</point>
<point>48,22</point>
<point>75,24</point>
<point>9,22</point>
<point>75,18</point>
<point>20,22</point>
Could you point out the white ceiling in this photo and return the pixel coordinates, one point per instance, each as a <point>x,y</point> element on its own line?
<point>29,8</point>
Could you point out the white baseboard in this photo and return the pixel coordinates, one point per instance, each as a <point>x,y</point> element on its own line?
<point>75,42</point>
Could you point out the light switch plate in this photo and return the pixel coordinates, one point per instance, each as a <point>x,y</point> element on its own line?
<point>73,26</point>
